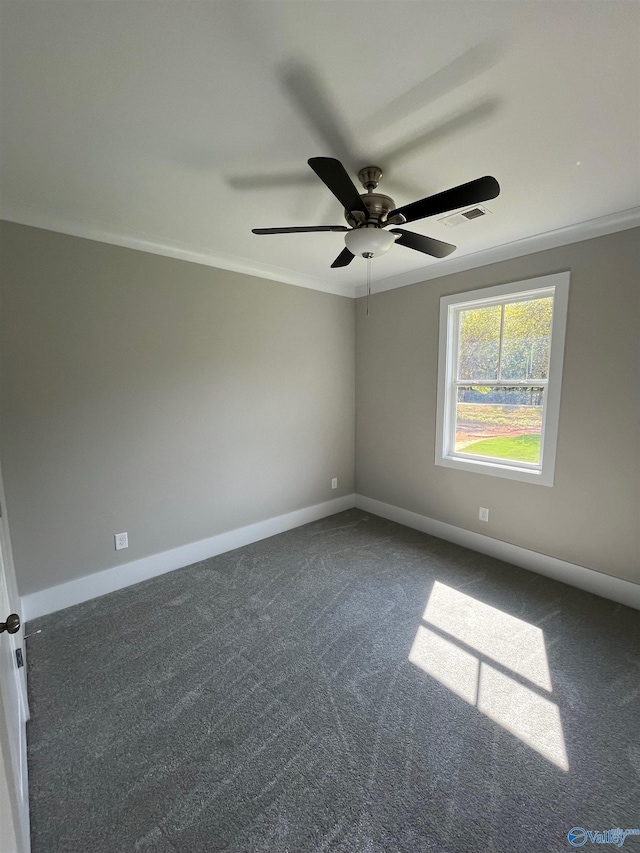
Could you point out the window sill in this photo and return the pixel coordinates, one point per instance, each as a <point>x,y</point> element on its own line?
<point>496,469</point>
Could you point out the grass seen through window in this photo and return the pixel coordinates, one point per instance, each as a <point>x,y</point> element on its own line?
<point>520,448</point>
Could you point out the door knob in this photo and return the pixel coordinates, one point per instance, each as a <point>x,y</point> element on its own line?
<point>12,625</point>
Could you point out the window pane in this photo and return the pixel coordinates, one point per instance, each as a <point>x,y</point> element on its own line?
<point>479,343</point>
<point>525,339</point>
<point>502,422</point>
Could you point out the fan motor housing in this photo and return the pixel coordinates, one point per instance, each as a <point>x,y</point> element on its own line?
<point>378,206</point>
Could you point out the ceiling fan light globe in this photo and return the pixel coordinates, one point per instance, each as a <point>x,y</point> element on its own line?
<point>369,241</point>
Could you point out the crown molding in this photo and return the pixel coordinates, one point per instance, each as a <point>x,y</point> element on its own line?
<point>25,215</point>
<point>507,251</point>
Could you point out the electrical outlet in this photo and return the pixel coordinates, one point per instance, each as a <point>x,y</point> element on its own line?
<point>121,541</point>
<point>483,515</point>
<point>334,483</point>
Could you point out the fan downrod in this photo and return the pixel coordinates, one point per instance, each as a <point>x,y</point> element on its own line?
<point>370,177</point>
<point>377,204</point>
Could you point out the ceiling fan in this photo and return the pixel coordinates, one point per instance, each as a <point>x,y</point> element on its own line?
<point>368,214</point>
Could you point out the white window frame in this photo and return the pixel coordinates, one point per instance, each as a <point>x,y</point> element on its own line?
<point>556,285</point>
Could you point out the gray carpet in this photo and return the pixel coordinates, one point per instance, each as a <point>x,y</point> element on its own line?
<point>265,700</point>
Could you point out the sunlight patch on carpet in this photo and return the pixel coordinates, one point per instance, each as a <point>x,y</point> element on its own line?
<point>515,645</point>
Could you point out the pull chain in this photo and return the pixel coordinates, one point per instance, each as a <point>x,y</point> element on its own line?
<point>368,281</point>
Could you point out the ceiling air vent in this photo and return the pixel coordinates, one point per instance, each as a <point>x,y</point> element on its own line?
<point>465,216</point>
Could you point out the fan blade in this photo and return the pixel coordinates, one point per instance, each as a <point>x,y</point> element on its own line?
<point>303,229</point>
<point>261,182</point>
<point>420,243</point>
<point>482,189</point>
<point>463,68</point>
<point>335,176</point>
<point>452,124</point>
<point>303,85</point>
<point>345,257</point>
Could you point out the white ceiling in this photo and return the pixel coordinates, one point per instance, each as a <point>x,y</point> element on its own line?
<point>137,122</point>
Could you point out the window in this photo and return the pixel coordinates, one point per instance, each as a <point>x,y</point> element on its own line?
<point>499,375</point>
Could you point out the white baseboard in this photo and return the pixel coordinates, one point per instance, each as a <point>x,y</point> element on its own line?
<point>607,586</point>
<point>100,583</point>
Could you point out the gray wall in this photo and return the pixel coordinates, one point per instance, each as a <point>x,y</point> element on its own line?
<point>176,401</point>
<point>164,398</point>
<point>591,515</point>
